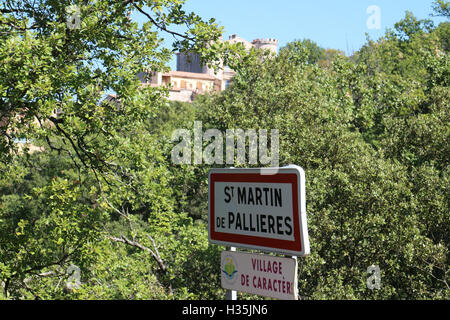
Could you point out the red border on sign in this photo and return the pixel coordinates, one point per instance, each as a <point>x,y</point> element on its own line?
<point>291,178</point>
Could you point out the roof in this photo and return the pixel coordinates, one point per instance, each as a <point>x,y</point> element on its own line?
<point>191,75</point>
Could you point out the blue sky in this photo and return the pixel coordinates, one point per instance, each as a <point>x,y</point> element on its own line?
<point>337,24</point>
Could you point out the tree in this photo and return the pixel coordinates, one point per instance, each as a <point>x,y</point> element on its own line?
<point>306,46</point>
<point>370,133</point>
<point>58,62</point>
<point>48,66</point>
<point>101,195</point>
<point>410,26</point>
<point>441,8</point>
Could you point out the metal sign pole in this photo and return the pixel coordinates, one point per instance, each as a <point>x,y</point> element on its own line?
<point>296,277</point>
<point>231,294</point>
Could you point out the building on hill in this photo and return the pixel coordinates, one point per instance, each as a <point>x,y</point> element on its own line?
<point>192,77</point>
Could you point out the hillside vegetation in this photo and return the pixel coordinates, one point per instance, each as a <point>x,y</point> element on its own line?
<point>371,132</point>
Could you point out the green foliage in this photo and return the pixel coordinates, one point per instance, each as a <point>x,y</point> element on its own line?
<point>395,75</point>
<point>100,162</point>
<point>372,134</point>
<point>310,52</point>
<point>305,47</point>
<point>441,8</point>
<point>102,194</point>
<point>48,220</point>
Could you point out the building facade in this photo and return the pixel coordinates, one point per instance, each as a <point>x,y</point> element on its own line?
<point>193,78</point>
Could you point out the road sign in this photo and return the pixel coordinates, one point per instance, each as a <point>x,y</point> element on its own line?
<point>264,275</point>
<point>262,209</point>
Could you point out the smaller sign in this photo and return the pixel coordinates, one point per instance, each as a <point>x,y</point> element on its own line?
<point>259,274</point>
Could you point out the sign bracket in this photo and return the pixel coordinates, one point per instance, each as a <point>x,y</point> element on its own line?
<point>231,294</point>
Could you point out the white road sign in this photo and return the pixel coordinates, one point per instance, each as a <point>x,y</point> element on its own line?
<point>259,211</point>
<point>259,274</point>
